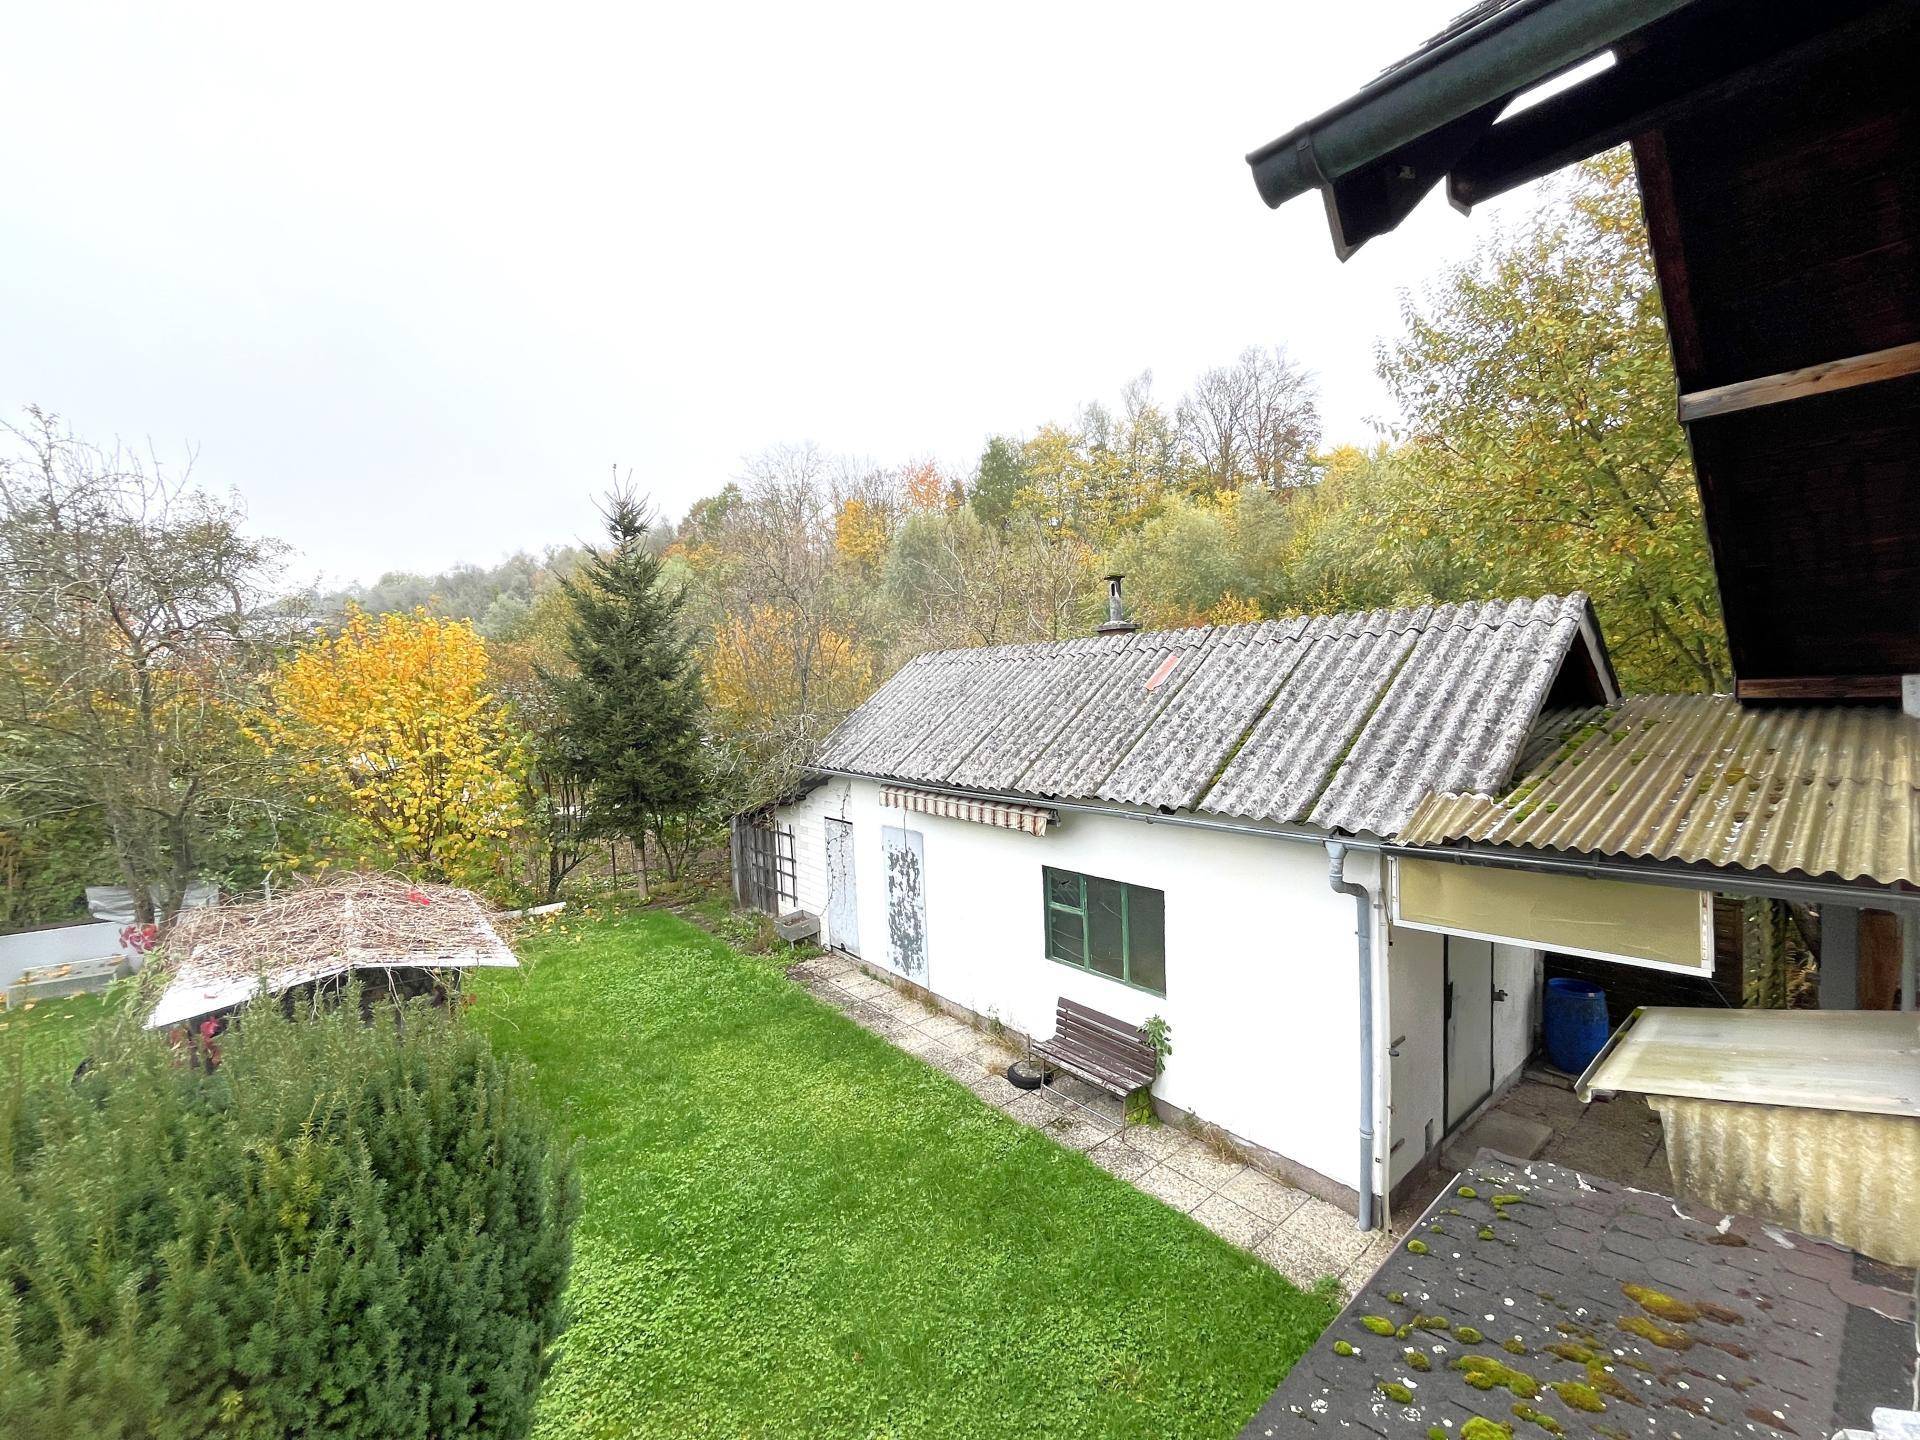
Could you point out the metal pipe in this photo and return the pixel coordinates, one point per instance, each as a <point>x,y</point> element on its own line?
<point>1726,882</point>
<point>1363,933</point>
<point>1909,960</point>
<point>1301,834</point>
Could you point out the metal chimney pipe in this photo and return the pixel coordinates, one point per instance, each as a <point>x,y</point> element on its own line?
<point>1117,622</point>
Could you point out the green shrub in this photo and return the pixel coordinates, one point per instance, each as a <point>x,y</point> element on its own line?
<point>345,1230</point>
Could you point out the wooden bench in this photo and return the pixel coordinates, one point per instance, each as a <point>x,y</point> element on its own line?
<point>1105,1052</point>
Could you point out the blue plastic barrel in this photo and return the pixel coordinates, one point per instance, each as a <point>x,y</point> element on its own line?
<point>1574,1018</point>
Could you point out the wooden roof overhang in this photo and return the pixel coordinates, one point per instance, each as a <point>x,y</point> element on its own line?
<point>1778,148</point>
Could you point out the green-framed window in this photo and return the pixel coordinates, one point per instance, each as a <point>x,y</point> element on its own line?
<point>1106,926</point>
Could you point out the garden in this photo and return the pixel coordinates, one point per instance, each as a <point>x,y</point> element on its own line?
<point>785,1225</point>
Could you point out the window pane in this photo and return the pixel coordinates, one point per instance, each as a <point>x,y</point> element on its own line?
<point>1106,931</point>
<point>1147,938</point>
<point>1063,888</point>
<point>1064,936</point>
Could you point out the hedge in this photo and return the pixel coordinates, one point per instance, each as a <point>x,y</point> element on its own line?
<point>347,1229</point>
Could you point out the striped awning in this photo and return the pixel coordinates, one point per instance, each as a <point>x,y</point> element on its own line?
<point>1032,819</point>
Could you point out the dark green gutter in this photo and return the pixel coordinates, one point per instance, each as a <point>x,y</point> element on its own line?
<point>1509,51</point>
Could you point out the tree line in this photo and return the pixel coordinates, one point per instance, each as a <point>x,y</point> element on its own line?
<point>667,675</point>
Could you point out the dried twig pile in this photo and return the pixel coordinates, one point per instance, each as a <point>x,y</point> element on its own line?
<point>217,953</point>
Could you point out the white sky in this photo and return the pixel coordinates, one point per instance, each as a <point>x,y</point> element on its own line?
<point>413,280</point>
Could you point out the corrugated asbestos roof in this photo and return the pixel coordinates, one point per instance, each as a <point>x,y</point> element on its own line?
<point>1813,790</point>
<point>1341,721</point>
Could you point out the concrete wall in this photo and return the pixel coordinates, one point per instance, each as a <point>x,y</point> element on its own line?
<point>1262,991</point>
<point>57,945</point>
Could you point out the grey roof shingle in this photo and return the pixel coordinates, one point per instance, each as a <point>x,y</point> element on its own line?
<point>1577,1306</point>
<point>1341,721</point>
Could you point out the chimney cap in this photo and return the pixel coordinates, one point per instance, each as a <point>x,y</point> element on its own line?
<point>1116,622</point>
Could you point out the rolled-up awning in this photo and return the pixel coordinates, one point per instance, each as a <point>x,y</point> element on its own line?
<point>1032,819</point>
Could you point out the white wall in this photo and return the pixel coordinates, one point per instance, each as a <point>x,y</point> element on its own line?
<point>58,945</point>
<point>1261,984</point>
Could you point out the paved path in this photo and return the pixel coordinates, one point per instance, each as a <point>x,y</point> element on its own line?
<point>1302,1237</point>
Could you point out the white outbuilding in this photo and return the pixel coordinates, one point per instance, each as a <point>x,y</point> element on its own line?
<point>1204,825</point>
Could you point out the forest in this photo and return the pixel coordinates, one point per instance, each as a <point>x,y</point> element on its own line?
<point>483,724</point>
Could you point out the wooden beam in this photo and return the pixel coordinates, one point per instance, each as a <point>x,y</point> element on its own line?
<point>1818,687</point>
<point>1888,364</point>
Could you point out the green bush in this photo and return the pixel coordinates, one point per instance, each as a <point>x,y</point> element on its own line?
<point>346,1229</point>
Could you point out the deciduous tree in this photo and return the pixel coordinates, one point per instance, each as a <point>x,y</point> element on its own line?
<point>136,616</point>
<point>1540,431</point>
<point>392,726</point>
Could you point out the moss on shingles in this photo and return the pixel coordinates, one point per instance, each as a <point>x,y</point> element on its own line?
<point>1536,1417</point>
<point>1479,1427</point>
<point>1514,1345</point>
<point>1418,1247</point>
<point>1467,1335</point>
<point>1483,1372</point>
<point>1417,1360</point>
<point>1378,1324</point>
<point>1576,1396</point>
<point>1654,1333</point>
<point>1395,1391</point>
<point>1661,1305</point>
<point>1343,1349</point>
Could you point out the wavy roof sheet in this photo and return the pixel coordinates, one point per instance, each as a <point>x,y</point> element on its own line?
<point>1340,721</point>
<point>1809,790</point>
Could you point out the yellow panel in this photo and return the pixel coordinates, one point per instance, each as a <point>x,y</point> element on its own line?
<point>1655,925</point>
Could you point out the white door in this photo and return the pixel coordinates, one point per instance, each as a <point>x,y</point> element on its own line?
<point>843,924</point>
<point>1469,1021</point>
<point>905,851</point>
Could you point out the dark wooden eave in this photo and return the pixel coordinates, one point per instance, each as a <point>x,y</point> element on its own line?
<point>1778,149</point>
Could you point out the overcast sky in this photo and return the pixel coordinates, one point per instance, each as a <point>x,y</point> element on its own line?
<point>413,280</point>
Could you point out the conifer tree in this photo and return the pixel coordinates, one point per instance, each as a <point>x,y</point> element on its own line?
<point>630,709</point>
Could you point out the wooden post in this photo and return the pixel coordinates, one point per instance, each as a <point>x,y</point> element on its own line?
<point>1879,959</point>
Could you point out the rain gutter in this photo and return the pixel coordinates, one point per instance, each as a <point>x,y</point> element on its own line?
<point>1724,881</point>
<point>1363,932</point>
<point>1512,49</point>
<point>1302,834</point>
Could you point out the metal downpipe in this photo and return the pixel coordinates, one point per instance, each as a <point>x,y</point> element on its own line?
<point>1363,931</point>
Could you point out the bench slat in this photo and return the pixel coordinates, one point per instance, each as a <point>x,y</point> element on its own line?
<point>1119,1066</point>
<point>1076,1066</point>
<point>1101,1049</point>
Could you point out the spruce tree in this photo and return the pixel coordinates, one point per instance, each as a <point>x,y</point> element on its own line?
<point>630,709</point>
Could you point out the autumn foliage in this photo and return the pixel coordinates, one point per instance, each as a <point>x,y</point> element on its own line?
<point>391,726</point>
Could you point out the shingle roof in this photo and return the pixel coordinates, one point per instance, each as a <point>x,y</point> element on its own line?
<point>1340,721</point>
<point>1582,1307</point>
<point>1804,789</point>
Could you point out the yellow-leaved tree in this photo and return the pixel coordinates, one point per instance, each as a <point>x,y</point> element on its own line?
<point>777,684</point>
<point>397,737</point>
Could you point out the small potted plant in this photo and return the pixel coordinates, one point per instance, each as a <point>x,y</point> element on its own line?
<point>1158,1034</point>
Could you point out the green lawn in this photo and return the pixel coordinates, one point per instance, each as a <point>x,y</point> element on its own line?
<point>50,1036</point>
<point>792,1228</point>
